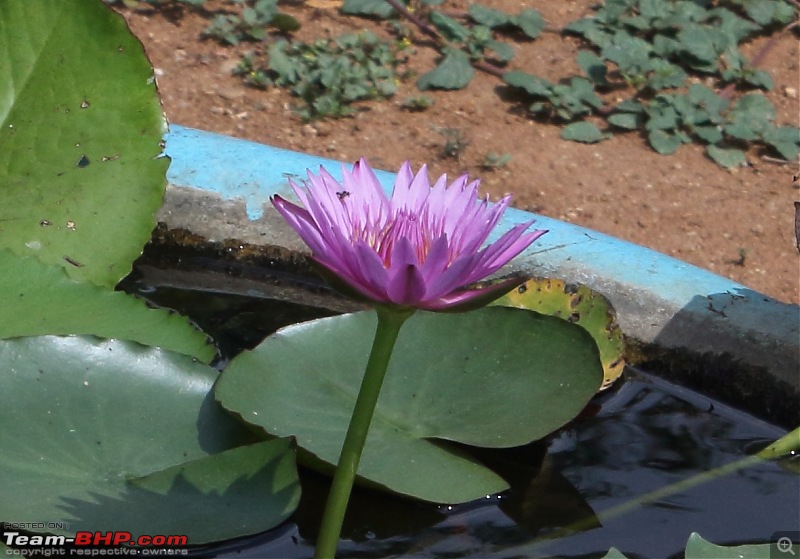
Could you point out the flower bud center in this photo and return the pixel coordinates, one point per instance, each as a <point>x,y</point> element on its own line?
<point>403,224</point>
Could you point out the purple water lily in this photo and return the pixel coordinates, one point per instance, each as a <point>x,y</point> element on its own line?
<point>419,248</point>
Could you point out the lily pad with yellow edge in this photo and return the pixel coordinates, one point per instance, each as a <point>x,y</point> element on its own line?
<point>578,304</point>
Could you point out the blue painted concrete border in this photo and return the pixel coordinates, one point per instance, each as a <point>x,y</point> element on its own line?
<point>658,298</point>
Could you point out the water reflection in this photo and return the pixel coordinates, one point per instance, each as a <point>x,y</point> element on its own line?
<point>646,435</point>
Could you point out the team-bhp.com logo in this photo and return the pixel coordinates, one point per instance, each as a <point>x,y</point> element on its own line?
<point>93,544</point>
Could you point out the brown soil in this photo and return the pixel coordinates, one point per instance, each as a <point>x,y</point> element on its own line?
<point>737,223</point>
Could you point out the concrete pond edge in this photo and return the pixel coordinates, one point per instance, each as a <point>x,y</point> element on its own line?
<point>723,336</point>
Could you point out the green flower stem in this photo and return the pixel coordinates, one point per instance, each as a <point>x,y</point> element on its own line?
<point>390,320</point>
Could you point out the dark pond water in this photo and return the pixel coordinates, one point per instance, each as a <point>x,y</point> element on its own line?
<point>566,492</point>
<point>646,435</point>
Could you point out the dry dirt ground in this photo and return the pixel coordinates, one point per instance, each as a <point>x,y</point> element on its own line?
<point>737,223</point>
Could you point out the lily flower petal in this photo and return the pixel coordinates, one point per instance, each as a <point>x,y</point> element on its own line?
<point>419,248</point>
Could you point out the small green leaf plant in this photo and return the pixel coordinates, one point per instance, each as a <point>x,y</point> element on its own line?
<point>233,22</point>
<point>658,51</point>
<point>250,23</point>
<point>493,161</point>
<point>139,4</point>
<point>327,76</point>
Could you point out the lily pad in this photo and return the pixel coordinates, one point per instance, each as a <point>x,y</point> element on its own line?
<point>580,305</point>
<point>80,128</point>
<point>614,553</point>
<point>255,487</point>
<point>92,416</point>
<point>698,548</point>
<point>39,299</point>
<point>497,377</point>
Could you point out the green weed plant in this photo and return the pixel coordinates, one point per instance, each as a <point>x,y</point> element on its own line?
<point>327,75</point>
<point>676,64</point>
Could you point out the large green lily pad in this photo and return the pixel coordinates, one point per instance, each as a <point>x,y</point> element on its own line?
<point>39,299</point>
<point>109,435</point>
<point>80,128</point>
<point>496,377</point>
<point>578,304</point>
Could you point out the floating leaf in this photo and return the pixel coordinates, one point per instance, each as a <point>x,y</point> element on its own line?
<point>90,415</point>
<point>80,128</point>
<point>698,548</point>
<point>584,132</point>
<point>495,377</point>
<point>453,72</point>
<point>41,299</point>
<point>726,157</point>
<point>255,487</point>
<point>579,305</point>
<point>614,553</point>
